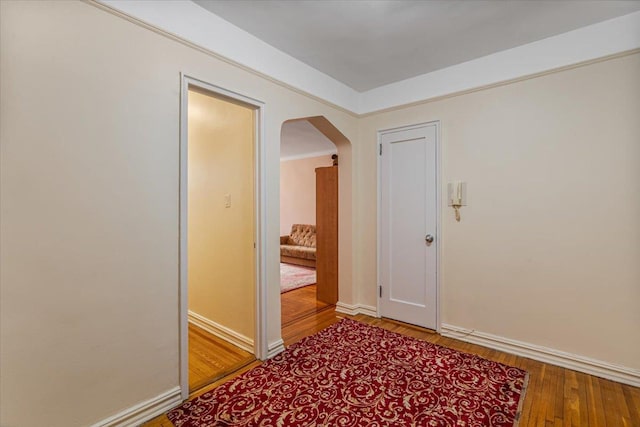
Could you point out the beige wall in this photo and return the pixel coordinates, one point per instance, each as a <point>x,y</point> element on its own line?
<point>298,191</point>
<point>220,237</point>
<point>89,211</point>
<point>548,249</point>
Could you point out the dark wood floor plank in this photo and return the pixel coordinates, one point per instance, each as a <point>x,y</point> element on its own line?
<point>299,303</point>
<point>632,399</point>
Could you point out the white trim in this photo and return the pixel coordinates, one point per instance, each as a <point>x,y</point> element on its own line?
<point>144,411</point>
<point>309,155</point>
<point>189,22</point>
<point>222,332</point>
<point>355,309</point>
<point>275,348</point>
<point>183,297</point>
<point>439,234</point>
<point>260,343</point>
<point>563,359</point>
<point>439,231</point>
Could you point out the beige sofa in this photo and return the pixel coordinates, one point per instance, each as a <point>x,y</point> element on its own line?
<point>299,247</point>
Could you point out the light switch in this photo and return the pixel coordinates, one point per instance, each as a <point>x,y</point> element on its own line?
<point>227,200</point>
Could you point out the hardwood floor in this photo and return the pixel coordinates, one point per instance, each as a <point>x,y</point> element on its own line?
<point>554,397</point>
<point>300,303</point>
<point>211,358</point>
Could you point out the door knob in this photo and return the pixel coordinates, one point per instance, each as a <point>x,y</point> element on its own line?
<point>428,238</point>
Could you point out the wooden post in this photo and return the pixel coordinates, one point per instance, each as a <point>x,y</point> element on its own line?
<point>327,234</point>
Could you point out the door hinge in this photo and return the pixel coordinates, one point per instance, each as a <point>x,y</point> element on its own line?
<point>380,291</point>
<point>381,149</point>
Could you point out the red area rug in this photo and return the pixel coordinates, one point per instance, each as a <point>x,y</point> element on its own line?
<point>352,374</point>
<point>294,277</point>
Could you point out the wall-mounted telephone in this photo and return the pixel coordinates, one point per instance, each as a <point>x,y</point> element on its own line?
<point>457,196</point>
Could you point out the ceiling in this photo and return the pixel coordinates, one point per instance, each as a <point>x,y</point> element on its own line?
<point>370,43</point>
<point>301,139</point>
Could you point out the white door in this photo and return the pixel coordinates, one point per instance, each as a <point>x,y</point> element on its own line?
<point>408,220</point>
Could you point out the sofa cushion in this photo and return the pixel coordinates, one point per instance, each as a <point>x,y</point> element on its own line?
<point>303,235</point>
<point>298,251</point>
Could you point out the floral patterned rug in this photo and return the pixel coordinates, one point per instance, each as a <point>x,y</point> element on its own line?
<point>353,374</point>
<point>295,276</point>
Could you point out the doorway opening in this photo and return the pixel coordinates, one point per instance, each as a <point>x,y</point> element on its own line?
<point>220,234</point>
<point>310,202</point>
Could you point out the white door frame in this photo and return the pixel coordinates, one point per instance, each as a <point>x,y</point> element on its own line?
<point>260,331</point>
<point>438,233</point>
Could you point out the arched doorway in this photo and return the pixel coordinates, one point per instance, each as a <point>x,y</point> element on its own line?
<point>315,180</point>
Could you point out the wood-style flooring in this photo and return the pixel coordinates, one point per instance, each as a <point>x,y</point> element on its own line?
<point>211,358</point>
<point>555,396</point>
<point>300,303</point>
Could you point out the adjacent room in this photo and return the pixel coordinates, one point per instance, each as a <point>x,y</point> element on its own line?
<point>220,234</point>
<point>319,213</point>
<point>308,221</point>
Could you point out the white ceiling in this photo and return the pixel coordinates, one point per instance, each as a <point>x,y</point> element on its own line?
<point>190,22</point>
<point>370,43</point>
<point>301,139</point>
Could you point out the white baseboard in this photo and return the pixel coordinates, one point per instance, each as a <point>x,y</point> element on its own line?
<point>275,348</point>
<point>144,411</point>
<point>576,362</point>
<point>222,332</point>
<point>354,309</point>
